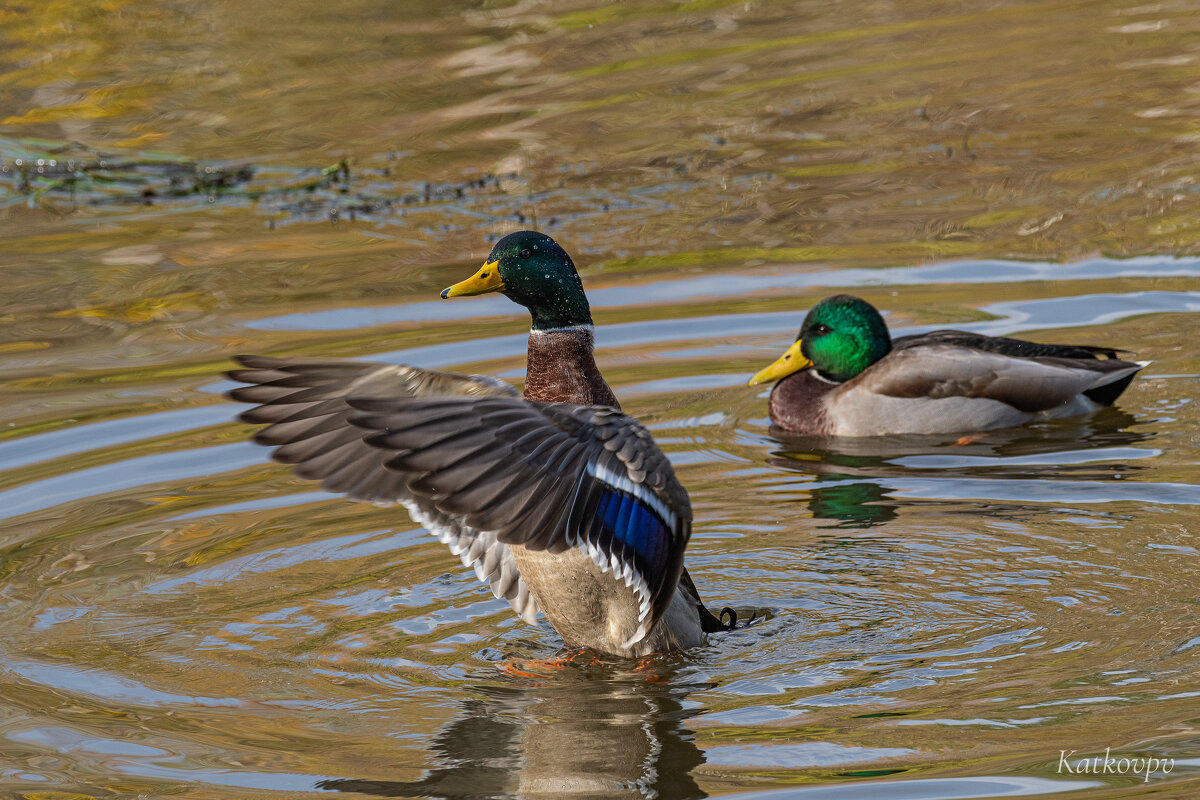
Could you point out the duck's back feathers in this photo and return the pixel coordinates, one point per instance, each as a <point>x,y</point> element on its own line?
<point>1105,393</point>
<point>1003,345</point>
<point>937,370</point>
<point>951,381</point>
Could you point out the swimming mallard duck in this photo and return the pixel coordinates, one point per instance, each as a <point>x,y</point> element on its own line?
<point>845,376</point>
<point>558,501</point>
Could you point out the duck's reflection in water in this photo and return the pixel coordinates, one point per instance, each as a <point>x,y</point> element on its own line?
<point>853,505</point>
<point>853,478</point>
<point>585,732</point>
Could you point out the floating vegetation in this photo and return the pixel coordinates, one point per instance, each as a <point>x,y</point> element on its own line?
<point>65,176</point>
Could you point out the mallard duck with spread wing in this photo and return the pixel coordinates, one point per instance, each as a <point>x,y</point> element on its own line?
<point>846,376</point>
<point>558,501</point>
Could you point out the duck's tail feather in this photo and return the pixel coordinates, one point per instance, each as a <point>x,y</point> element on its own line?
<point>1107,394</point>
<point>709,623</point>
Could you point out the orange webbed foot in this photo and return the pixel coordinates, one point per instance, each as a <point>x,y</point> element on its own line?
<point>545,667</point>
<point>644,665</point>
<point>968,439</point>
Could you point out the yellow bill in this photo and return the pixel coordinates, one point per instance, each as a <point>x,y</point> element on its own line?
<point>487,279</point>
<point>791,361</point>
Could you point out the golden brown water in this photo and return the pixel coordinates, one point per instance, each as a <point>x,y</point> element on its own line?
<point>180,618</point>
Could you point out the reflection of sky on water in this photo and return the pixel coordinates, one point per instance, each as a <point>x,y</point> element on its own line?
<point>925,789</point>
<point>746,285</point>
<point>1058,312</point>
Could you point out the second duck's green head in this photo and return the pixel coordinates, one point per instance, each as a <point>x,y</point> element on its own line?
<point>532,269</point>
<point>841,336</point>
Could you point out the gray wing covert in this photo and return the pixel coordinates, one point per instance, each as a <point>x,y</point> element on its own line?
<point>937,369</point>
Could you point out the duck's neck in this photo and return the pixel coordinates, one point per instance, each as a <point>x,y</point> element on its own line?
<point>561,368</point>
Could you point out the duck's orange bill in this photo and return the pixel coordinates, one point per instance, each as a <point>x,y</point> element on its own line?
<point>791,361</point>
<point>486,280</point>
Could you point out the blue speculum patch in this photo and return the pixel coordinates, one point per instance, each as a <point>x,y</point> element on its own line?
<point>638,527</point>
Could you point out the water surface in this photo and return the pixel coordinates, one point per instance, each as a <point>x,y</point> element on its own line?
<point>935,619</point>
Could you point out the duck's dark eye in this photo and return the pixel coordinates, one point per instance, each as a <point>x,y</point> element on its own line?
<point>525,253</point>
<point>821,330</point>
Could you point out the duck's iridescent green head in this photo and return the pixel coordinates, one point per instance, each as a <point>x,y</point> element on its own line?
<point>532,269</point>
<point>841,336</point>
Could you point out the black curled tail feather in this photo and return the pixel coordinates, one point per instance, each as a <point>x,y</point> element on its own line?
<point>708,622</point>
<point>712,624</point>
<point>727,620</point>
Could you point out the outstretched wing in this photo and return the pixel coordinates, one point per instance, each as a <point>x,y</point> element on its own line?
<point>481,468</point>
<point>306,406</point>
<point>545,477</point>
